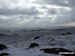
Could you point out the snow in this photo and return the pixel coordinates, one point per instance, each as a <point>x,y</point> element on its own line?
<point>17,45</point>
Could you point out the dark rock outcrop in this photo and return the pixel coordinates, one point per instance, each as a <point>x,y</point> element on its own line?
<point>32,45</point>
<point>3,35</point>
<point>33,30</point>
<point>69,33</point>
<point>56,51</point>
<point>36,37</point>
<point>63,34</point>
<point>2,47</point>
<point>4,54</point>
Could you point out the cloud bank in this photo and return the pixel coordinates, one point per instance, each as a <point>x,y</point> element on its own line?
<point>36,13</point>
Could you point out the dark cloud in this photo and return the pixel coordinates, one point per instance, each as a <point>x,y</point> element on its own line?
<point>51,11</point>
<point>31,11</point>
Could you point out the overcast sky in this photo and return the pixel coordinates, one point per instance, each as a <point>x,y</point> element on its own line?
<point>36,13</point>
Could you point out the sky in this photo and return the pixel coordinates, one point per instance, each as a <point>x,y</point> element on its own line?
<point>36,13</point>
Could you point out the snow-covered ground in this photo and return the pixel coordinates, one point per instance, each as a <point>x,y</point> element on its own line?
<point>18,41</point>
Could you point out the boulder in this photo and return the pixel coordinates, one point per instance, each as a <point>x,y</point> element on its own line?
<point>33,30</point>
<point>2,47</point>
<point>63,34</point>
<point>56,51</point>
<point>32,45</point>
<point>3,35</point>
<point>36,37</point>
<point>66,33</point>
<point>69,33</point>
<point>4,54</point>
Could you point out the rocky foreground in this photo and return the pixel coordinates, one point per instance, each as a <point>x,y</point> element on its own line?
<point>37,43</point>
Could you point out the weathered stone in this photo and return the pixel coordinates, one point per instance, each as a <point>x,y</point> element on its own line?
<point>56,51</point>
<point>2,47</point>
<point>4,54</point>
<point>63,34</point>
<point>69,33</point>
<point>3,35</point>
<point>37,37</point>
<point>32,45</point>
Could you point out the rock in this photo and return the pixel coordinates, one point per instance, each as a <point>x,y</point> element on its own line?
<point>4,54</point>
<point>68,55</point>
<point>56,51</point>
<point>37,37</point>
<point>52,40</point>
<point>33,45</point>
<point>69,33</point>
<point>2,47</point>
<point>33,30</point>
<point>3,35</point>
<point>63,34</point>
<point>66,33</point>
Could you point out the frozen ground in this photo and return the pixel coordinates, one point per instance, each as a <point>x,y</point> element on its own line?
<point>18,41</point>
